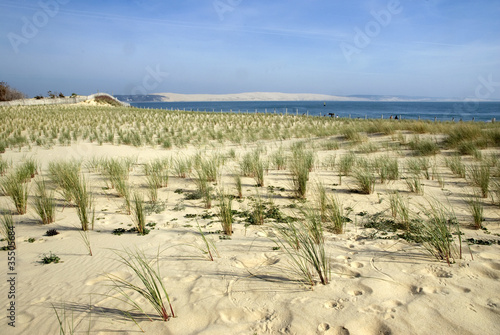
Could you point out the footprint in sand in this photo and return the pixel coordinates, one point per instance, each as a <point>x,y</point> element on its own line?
<point>359,290</point>
<point>94,281</point>
<point>356,265</point>
<point>486,272</point>
<point>343,271</point>
<point>323,327</point>
<point>387,309</point>
<point>334,305</point>
<point>40,300</point>
<point>243,316</point>
<point>25,317</point>
<point>438,271</point>
<point>493,265</point>
<point>185,279</point>
<point>99,279</point>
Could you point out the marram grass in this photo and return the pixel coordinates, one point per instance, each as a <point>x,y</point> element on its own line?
<point>44,202</point>
<point>304,246</point>
<point>147,282</point>
<point>7,229</point>
<point>15,186</point>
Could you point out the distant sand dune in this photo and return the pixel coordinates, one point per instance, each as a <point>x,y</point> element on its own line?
<point>255,96</point>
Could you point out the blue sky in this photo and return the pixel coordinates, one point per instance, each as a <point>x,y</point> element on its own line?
<point>437,48</point>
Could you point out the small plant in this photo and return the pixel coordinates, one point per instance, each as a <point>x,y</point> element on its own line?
<point>208,247</point>
<point>352,134</point>
<point>31,240</point>
<point>51,258</point>
<point>278,159</point>
<point>84,204</point>
<point>425,147</point>
<point>139,217</point>
<point>258,211</point>
<point>51,232</point>
<point>156,177</point>
<point>435,233</point>
<point>479,176</point>
<point>301,164</point>
<point>414,185</point>
<point>17,189</point>
<point>307,258</point>
<point>345,165</point>
<point>209,166</point>
<point>7,230</point>
<point>225,214</point>
<point>365,180</point>
<point>476,209</point>
<point>387,168</point>
<point>456,166</point>
<point>322,200</point>
<point>237,180</point>
<point>335,215</point>
<point>150,285</point>
<point>44,203</point>
<point>259,167</point>
<point>67,176</point>
<point>66,321</point>
<point>495,192</point>
<point>119,231</point>
<point>182,166</point>
<point>400,208</point>
<point>4,165</point>
<point>84,234</point>
<point>247,164</point>
<point>204,189</point>
<point>152,190</point>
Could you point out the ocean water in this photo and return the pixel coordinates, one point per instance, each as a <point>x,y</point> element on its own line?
<point>442,111</point>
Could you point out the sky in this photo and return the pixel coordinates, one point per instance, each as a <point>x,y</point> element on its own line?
<point>433,48</point>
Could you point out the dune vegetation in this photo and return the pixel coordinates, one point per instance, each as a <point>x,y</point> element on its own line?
<point>301,190</point>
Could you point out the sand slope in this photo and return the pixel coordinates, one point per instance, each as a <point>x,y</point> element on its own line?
<point>377,287</point>
<point>255,96</point>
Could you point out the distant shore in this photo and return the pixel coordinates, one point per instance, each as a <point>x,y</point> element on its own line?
<point>276,96</point>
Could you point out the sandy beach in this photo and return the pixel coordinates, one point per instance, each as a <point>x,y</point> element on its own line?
<point>380,282</point>
<point>255,96</point>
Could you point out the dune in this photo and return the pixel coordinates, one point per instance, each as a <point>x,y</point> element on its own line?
<point>380,284</point>
<point>255,96</point>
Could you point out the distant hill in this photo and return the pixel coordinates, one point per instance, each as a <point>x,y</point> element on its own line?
<point>139,98</point>
<point>249,96</point>
<point>271,96</point>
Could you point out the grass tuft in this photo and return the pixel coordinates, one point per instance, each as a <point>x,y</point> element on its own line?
<point>14,186</point>
<point>436,234</point>
<point>304,245</point>
<point>150,285</point>
<point>7,230</point>
<point>44,203</point>
<point>479,176</point>
<point>225,214</point>
<point>139,216</point>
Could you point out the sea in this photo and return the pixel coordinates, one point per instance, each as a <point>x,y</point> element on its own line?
<point>441,111</point>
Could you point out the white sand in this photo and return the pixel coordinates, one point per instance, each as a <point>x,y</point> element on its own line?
<point>255,96</point>
<point>377,287</point>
